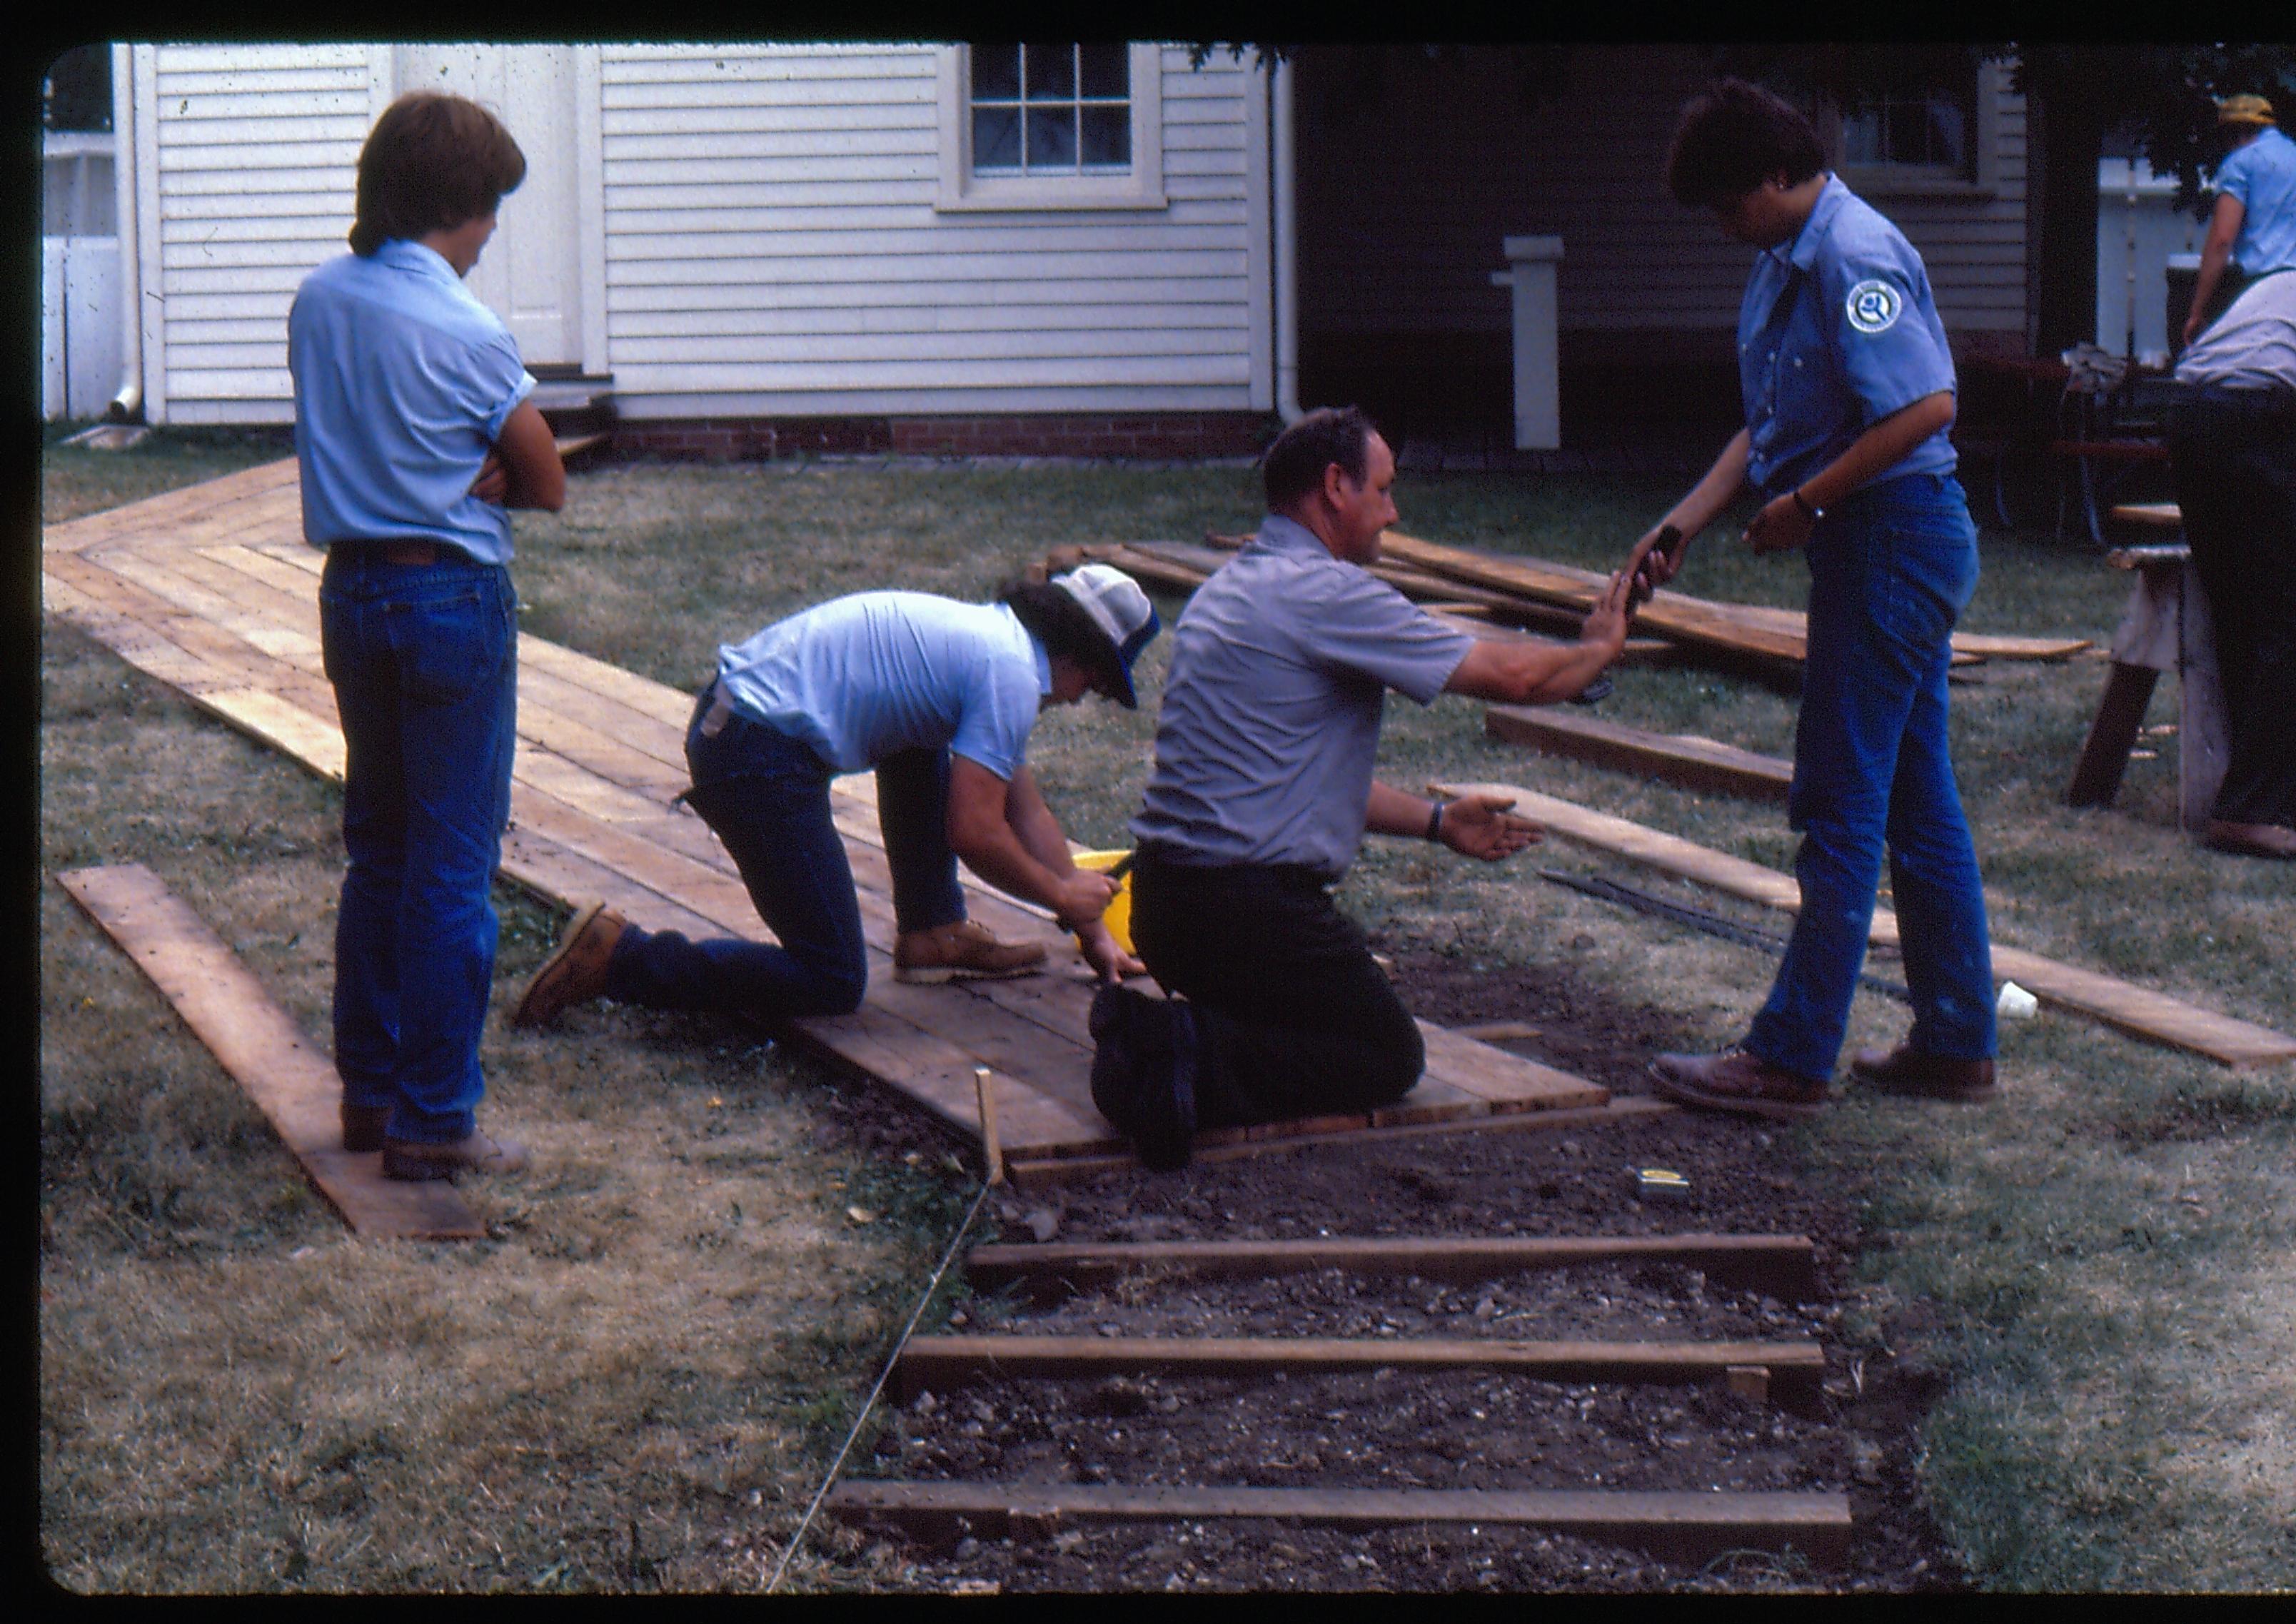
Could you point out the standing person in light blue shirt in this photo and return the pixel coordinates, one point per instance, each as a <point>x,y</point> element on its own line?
<point>2252,227</point>
<point>415,432</point>
<point>1847,387</point>
<point>939,698</point>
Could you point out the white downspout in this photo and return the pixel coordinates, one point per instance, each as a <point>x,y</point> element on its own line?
<point>128,405</point>
<point>1282,157</point>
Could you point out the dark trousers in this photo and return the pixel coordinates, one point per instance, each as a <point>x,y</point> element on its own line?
<point>1294,1017</point>
<point>765,795</point>
<point>2234,455</point>
<point>425,662</point>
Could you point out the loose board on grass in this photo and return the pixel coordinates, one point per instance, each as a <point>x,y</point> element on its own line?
<point>2137,1010</point>
<point>290,1080</point>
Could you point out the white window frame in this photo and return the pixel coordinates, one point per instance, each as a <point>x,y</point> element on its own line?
<point>1930,180</point>
<point>961,190</point>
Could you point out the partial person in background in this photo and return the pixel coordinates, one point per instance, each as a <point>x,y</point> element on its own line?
<point>1848,390</point>
<point>2232,442</point>
<point>939,698</point>
<point>415,433</point>
<point>2252,227</point>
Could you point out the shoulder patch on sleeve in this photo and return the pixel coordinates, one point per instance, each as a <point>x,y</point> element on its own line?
<point>1874,306</point>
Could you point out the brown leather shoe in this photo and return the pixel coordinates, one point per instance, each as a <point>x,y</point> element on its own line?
<point>1734,1080</point>
<point>575,972</point>
<point>965,950</point>
<point>362,1127</point>
<point>2250,840</point>
<point>403,1158</point>
<point>1931,1077</point>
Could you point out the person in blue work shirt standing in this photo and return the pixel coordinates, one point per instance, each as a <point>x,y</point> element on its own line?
<point>415,433</point>
<point>1848,393</point>
<point>939,697</point>
<point>2252,225</point>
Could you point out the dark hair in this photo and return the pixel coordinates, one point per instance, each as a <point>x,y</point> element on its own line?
<point>1058,622</point>
<point>431,162</point>
<point>1293,466</point>
<point>1733,137</point>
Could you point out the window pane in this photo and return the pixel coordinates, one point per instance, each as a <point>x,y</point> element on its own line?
<point>1945,143</point>
<point>996,137</point>
<point>1052,138</point>
<point>1105,70</point>
<point>1108,136</point>
<point>995,73</point>
<point>1052,73</point>
<point>1861,138</point>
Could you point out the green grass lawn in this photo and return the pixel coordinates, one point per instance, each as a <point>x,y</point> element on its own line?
<point>2102,1267</point>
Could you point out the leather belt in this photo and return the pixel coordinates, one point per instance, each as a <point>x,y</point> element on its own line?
<point>410,552</point>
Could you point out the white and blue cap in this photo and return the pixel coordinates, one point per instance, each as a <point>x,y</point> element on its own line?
<point>1114,602</point>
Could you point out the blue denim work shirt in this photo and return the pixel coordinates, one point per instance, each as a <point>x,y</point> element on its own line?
<point>403,381</point>
<point>2262,175</point>
<point>1837,329</point>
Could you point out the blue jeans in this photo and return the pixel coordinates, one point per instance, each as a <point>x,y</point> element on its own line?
<point>1890,569</point>
<point>765,795</point>
<point>425,662</point>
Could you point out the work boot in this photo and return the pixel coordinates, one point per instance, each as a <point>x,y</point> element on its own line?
<point>362,1127</point>
<point>965,950</point>
<point>2250,840</point>
<point>1737,1080</point>
<point>480,1152</point>
<point>1143,1072</point>
<point>1906,1070</point>
<point>575,972</point>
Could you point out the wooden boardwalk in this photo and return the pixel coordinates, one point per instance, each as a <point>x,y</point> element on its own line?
<point>213,591</point>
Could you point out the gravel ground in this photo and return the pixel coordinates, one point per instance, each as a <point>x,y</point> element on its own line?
<point>1389,1429</point>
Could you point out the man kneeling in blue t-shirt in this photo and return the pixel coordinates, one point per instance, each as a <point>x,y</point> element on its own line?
<point>939,697</point>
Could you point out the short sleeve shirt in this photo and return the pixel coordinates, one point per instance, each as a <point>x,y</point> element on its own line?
<point>1837,329</point>
<point>2262,175</point>
<point>1269,726</point>
<point>863,678</point>
<point>2252,345</point>
<point>403,381</point>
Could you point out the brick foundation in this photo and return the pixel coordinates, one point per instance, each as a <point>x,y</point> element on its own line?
<point>1142,436</point>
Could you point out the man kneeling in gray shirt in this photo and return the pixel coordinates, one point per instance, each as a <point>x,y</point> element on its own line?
<point>1261,793</point>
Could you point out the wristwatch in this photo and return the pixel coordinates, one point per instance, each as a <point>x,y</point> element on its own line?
<point>1435,821</point>
<point>1812,513</point>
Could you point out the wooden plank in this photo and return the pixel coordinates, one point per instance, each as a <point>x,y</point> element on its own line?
<point>1687,1527</point>
<point>1780,1265</point>
<point>1503,1081</point>
<point>1029,1174</point>
<point>163,511</point>
<point>1759,630</point>
<point>1697,764</point>
<point>291,1081</point>
<point>941,1364</point>
<point>2137,1011</point>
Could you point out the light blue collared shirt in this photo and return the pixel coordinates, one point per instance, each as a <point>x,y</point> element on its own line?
<point>2262,175</point>
<point>403,381</point>
<point>1269,726</point>
<point>1838,331</point>
<point>863,676</point>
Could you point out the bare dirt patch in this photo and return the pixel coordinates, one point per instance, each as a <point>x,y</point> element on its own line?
<point>1394,1430</point>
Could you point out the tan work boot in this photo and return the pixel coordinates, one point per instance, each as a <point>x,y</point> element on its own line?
<point>965,950</point>
<point>480,1152</point>
<point>575,972</point>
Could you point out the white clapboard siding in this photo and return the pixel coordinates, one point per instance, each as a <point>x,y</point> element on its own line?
<point>256,148</point>
<point>771,239</point>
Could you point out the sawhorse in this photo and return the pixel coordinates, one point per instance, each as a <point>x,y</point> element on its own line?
<point>2166,628</point>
